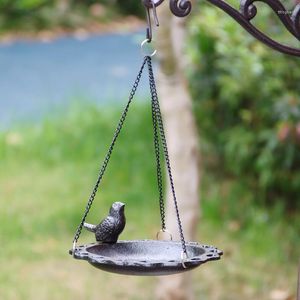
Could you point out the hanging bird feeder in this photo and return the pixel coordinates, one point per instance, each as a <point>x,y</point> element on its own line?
<point>140,257</point>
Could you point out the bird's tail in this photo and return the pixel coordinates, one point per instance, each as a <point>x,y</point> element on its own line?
<point>89,227</point>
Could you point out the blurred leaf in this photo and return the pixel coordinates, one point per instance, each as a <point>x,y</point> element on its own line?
<point>247,104</point>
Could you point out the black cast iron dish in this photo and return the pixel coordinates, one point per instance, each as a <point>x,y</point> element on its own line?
<point>146,257</point>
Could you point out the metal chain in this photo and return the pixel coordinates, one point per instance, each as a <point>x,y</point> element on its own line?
<point>157,125</point>
<point>158,166</point>
<point>165,147</point>
<point>108,155</point>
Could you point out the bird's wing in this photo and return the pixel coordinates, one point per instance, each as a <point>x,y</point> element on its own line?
<point>106,228</point>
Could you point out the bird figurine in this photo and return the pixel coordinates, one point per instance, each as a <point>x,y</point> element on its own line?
<point>109,229</point>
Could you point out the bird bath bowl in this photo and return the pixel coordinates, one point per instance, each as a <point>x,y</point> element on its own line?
<point>146,257</point>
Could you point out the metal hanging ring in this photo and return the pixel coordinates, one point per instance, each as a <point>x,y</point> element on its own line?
<point>164,231</point>
<point>143,49</point>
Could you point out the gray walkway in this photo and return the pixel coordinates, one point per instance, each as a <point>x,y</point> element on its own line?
<point>37,78</point>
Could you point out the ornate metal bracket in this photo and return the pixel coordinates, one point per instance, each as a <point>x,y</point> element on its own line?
<point>247,12</point>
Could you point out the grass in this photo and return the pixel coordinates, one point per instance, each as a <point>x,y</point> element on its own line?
<point>47,172</point>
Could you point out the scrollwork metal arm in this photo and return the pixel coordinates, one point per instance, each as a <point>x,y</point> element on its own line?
<point>247,12</point>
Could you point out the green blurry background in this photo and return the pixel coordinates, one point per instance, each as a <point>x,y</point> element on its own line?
<point>246,100</point>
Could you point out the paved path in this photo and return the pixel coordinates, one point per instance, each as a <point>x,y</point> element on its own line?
<point>37,78</point>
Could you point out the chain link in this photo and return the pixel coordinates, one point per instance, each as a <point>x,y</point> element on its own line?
<point>108,155</point>
<point>158,166</point>
<point>156,108</point>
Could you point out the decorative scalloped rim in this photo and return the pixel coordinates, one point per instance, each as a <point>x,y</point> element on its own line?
<point>211,253</point>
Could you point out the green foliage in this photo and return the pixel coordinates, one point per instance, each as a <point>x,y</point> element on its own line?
<point>128,7</point>
<point>21,5</point>
<point>32,15</point>
<point>17,12</point>
<point>248,106</point>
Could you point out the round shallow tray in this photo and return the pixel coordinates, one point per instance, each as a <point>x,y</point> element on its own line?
<point>145,257</point>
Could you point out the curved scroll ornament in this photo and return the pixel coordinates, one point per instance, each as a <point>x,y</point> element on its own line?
<point>248,11</point>
<point>180,8</point>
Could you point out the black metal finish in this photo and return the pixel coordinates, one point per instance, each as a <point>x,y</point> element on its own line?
<point>248,10</point>
<point>141,257</point>
<point>158,167</point>
<point>108,155</point>
<point>159,122</point>
<point>180,8</point>
<point>109,229</point>
<point>158,133</point>
<point>145,257</point>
